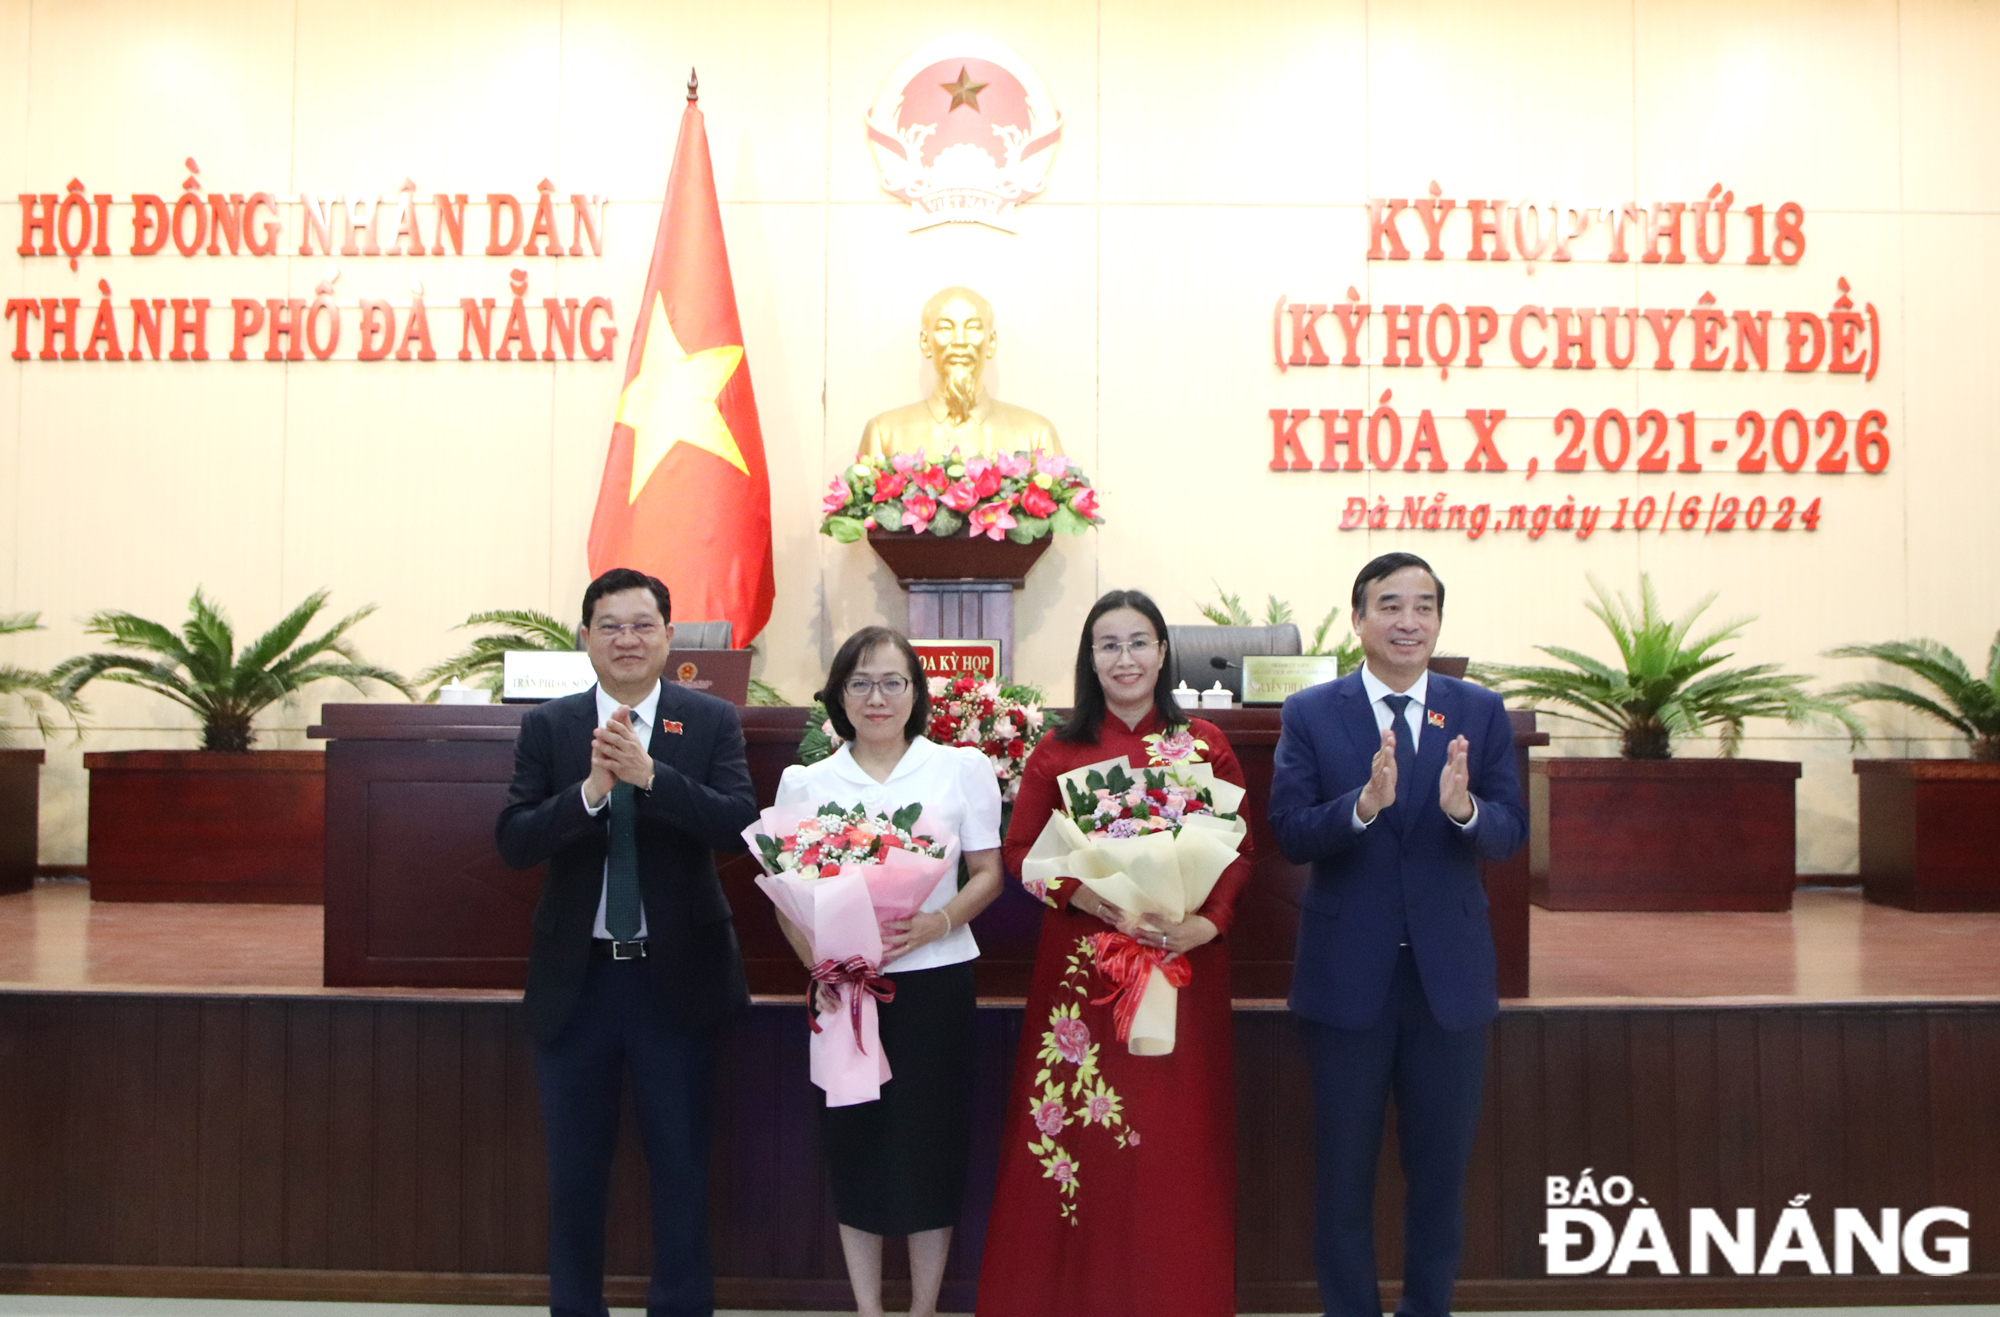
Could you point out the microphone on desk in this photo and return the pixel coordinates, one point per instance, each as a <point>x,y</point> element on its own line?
<point>1220,663</point>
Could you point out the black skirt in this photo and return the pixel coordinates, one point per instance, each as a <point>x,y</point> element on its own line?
<point>898,1165</point>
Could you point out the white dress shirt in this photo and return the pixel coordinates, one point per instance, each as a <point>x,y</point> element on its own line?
<point>643,715</point>
<point>1413,727</point>
<point>961,800</point>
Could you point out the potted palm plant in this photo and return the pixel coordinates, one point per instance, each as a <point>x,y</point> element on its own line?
<point>1647,831</point>
<point>481,663</point>
<point>21,768</point>
<point>1930,828</point>
<point>220,823</point>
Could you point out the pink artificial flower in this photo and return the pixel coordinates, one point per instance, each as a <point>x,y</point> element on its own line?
<point>907,462</point>
<point>975,467</point>
<point>1035,501</point>
<point>1084,503</point>
<point>1050,1117</point>
<point>1013,465</point>
<point>1051,464</point>
<point>934,479</point>
<point>959,497</point>
<point>918,509</point>
<point>992,520</point>
<point>986,481</point>
<point>836,496</point>
<point>1072,1039</point>
<point>889,484</point>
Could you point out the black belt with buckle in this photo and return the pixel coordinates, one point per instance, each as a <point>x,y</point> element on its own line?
<point>605,948</point>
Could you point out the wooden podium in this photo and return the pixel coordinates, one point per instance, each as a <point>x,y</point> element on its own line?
<point>416,895</point>
<point>960,587</point>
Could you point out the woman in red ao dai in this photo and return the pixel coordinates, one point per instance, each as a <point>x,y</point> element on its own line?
<point>1117,1183</point>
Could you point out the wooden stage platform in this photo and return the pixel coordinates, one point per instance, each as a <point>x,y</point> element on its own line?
<point>185,1111</point>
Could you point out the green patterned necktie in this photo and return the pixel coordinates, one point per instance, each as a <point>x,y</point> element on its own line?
<point>621,901</point>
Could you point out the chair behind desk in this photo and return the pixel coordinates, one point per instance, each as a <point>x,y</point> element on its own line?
<point>1192,649</point>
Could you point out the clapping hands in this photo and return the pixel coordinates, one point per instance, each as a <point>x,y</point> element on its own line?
<point>616,755</point>
<point>1454,783</point>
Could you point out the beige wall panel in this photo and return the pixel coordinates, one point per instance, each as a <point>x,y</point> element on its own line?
<point>1950,105</point>
<point>1949,456</point>
<point>145,491</point>
<point>763,70</point>
<point>1533,100</point>
<point>1765,100</point>
<point>458,95</point>
<point>871,37</point>
<point>119,95</point>
<point>12,496</point>
<point>389,483</point>
<point>1259,104</point>
<point>16,25</point>
<point>1828,798</point>
<point>778,253</point>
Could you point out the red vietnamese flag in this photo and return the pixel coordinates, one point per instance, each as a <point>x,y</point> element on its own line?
<point>686,495</point>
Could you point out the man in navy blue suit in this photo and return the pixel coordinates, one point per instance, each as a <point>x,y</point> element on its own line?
<point>625,792</point>
<point>1393,783</point>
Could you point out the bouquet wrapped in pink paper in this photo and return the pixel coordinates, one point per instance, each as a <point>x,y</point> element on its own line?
<point>837,873</point>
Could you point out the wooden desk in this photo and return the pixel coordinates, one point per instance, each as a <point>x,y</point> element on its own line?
<point>416,895</point>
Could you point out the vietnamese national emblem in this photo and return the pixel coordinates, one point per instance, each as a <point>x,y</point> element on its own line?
<point>964,130</point>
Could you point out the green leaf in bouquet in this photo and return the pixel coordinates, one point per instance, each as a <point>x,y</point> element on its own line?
<point>1094,779</point>
<point>1068,522</point>
<point>906,817</point>
<point>846,530</point>
<point>831,810</point>
<point>1156,779</point>
<point>1028,529</point>
<point>1079,804</point>
<point>889,516</point>
<point>771,850</point>
<point>947,523</point>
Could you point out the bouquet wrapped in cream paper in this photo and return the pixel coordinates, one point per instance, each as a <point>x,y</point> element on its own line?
<point>1152,844</point>
<point>838,873</point>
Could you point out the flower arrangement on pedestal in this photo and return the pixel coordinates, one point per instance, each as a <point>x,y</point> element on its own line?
<point>1002,722</point>
<point>1021,497</point>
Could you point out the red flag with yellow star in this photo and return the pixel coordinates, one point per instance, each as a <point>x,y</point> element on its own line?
<point>686,495</point>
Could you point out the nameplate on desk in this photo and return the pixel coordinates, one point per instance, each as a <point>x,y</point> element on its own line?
<point>723,673</point>
<point>959,658</point>
<point>536,674</point>
<point>1269,678</point>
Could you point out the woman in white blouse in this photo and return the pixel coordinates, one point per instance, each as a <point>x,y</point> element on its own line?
<point>898,1165</point>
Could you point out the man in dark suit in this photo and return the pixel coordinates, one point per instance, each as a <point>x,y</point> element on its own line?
<point>624,791</point>
<point>1393,783</point>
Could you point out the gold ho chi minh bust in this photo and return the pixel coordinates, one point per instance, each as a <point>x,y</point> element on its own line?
<point>958,338</point>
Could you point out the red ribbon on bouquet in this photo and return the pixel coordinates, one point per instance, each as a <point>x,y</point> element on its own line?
<point>863,977</point>
<point>1128,962</point>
